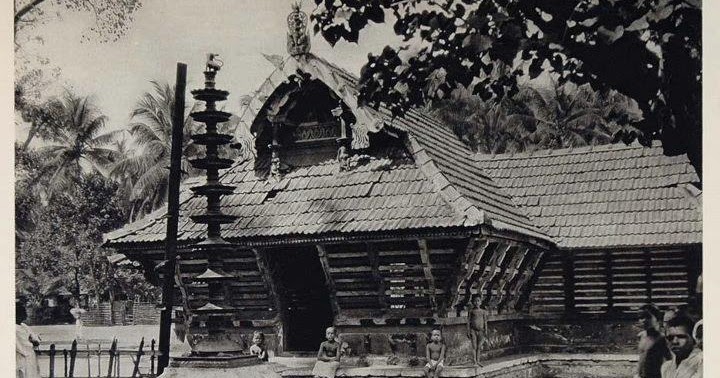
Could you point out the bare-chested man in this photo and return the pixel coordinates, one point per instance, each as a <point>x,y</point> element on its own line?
<point>477,327</point>
<point>435,354</point>
<point>653,347</point>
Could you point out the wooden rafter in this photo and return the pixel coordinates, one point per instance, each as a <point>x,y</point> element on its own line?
<point>476,253</point>
<point>375,266</point>
<point>512,273</point>
<point>260,258</point>
<point>427,270</point>
<point>492,270</point>
<point>322,255</point>
<point>466,262</point>
<point>522,286</point>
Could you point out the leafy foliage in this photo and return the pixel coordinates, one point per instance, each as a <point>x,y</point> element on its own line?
<point>647,50</point>
<point>145,173</point>
<point>563,116</point>
<point>78,142</point>
<point>62,249</point>
<point>112,18</point>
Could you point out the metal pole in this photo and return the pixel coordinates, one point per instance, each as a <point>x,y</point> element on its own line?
<point>172,218</point>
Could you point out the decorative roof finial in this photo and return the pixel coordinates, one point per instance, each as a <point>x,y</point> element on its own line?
<point>298,40</point>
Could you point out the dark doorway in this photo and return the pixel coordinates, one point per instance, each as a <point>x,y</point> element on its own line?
<point>305,297</point>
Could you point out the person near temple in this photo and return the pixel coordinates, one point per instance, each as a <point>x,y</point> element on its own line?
<point>258,347</point>
<point>698,334</point>
<point>435,354</point>
<point>328,358</point>
<point>687,361</point>
<point>477,327</point>
<point>652,346</point>
<point>25,342</point>
<point>77,313</point>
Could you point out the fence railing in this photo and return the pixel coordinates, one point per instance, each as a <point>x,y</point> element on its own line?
<point>98,362</point>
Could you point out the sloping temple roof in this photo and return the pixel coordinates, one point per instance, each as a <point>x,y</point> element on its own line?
<point>435,184</point>
<point>604,196</point>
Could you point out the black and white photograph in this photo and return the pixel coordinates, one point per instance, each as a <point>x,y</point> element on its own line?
<point>359,188</point>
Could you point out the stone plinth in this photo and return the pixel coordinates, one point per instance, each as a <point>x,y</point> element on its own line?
<point>519,366</point>
<point>220,367</point>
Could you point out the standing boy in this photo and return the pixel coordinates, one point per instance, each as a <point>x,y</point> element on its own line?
<point>435,354</point>
<point>477,327</point>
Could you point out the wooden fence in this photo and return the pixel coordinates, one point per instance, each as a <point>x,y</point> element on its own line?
<point>99,362</point>
<point>122,312</point>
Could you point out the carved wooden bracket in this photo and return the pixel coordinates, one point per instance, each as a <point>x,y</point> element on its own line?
<point>494,271</point>
<point>521,286</point>
<point>473,254</point>
<point>512,273</point>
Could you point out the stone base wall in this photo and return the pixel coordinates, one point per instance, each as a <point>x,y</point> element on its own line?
<point>510,335</point>
<point>523,366</point>
<point>404,342</point>
<point>243,335</point>
<point>580,335</point>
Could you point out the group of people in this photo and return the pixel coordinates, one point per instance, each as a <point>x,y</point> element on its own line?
<point>670,350</point>
<point>328,358</point>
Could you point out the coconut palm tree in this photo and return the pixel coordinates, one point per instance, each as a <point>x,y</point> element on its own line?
<point>79,146</point>
<point>571,116</point>
<point>151,132</point>
<point>483,126</point>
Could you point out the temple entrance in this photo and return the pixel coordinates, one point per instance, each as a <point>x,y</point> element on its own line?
<point>304,294</point>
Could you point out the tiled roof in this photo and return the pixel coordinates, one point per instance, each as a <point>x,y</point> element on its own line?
<point>604,196</point>
<point>315,199</point>
<point>439,187</point>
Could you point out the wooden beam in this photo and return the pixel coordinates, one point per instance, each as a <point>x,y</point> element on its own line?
<point>474,253</point>
<point>512,273</point>
<point>261,259</point>
<point>394,313</point>
<point>427,270</point>
<point>372,254</point>
<point>609,282</point>
<point>322,254</point>
<point>568,261</point>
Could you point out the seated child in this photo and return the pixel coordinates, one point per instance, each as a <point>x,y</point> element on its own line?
<point>435,354</point>
<point>258,347</point>
<point>328,356</point>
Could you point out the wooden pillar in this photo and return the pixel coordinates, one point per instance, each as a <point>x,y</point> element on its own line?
<point>322,254</point>
<point>427,269</point>
<point>647,259</point>
<point>375,266</point>
<point>609,283</point>
<point>568,264</point>
<point>173,216</point>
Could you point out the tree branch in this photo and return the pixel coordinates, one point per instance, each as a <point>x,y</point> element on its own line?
<point>26,9</point>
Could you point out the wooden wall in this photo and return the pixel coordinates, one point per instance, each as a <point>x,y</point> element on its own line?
<point>616,282</point>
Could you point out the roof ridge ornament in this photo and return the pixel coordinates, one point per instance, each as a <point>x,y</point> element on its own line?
<point>298,40</point>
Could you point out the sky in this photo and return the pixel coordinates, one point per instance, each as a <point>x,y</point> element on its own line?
<point>165,32</point>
